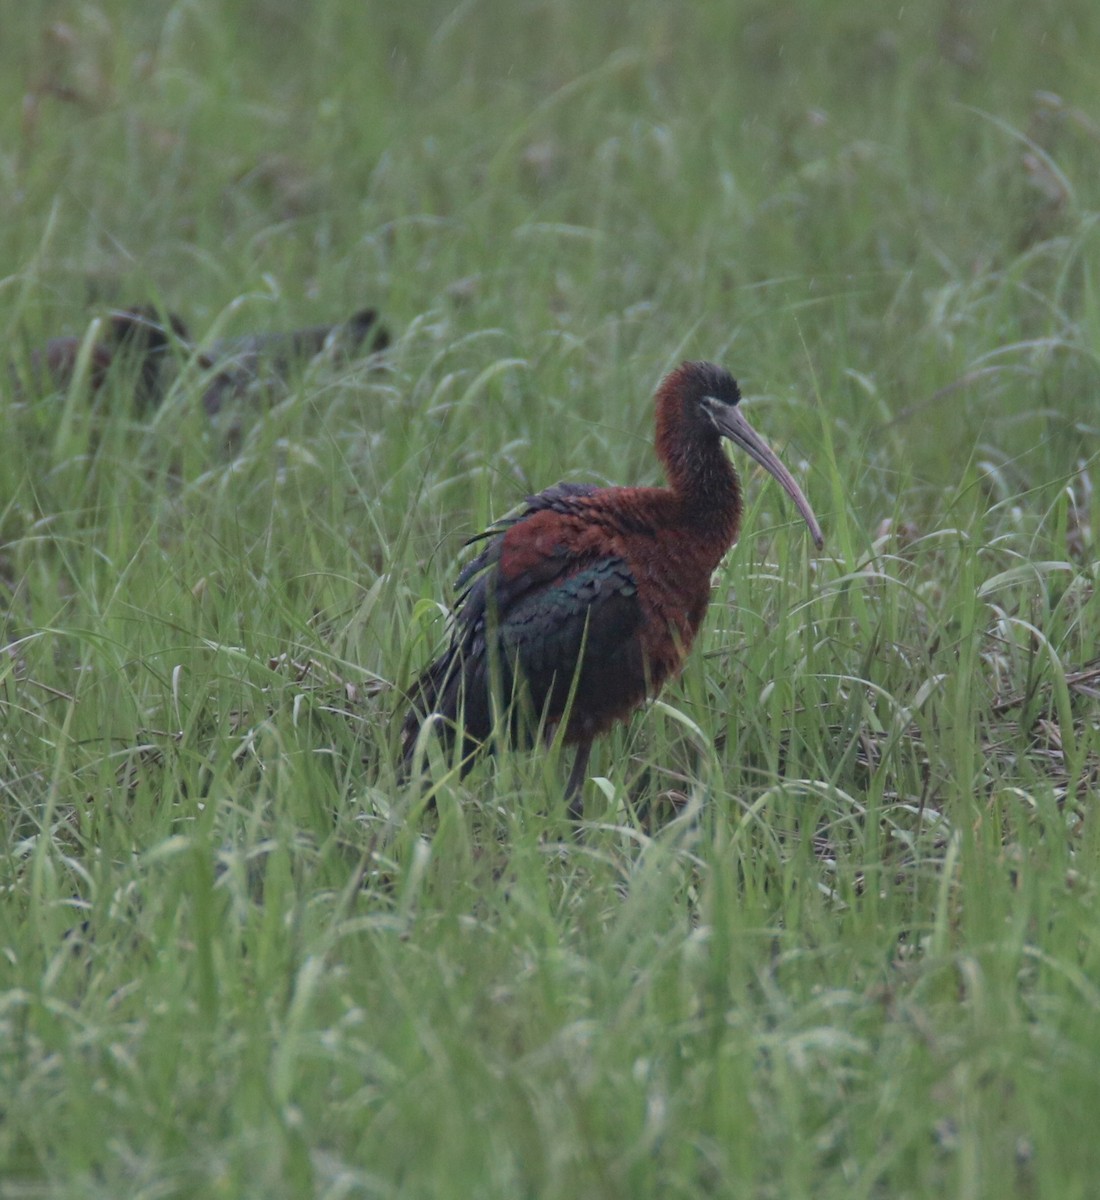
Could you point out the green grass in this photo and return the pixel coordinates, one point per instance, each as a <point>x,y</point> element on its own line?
<point>834,928</point>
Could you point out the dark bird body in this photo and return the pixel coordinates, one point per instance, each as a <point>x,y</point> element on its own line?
<point>148,342</point>
<point>588,601</point>
<point>136,335</point>
<point>241,361</point>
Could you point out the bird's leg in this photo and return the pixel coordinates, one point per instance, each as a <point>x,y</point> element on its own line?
<point>574,789</point>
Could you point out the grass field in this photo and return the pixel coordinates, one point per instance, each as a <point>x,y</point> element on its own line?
<point>833,929</point>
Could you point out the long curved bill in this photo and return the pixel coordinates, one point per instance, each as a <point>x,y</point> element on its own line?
<point>733,425</point>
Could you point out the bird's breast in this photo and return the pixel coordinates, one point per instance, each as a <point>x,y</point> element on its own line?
<point>674,583</point>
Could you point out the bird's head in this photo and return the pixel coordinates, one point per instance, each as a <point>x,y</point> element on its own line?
<point>705,402</point>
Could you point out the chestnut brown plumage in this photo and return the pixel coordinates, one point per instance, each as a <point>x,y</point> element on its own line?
<point>588,601</point>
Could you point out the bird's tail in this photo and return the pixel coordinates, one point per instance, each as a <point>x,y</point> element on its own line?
<point>433,695</point>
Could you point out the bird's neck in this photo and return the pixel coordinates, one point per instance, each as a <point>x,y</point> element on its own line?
<point>705,488</point>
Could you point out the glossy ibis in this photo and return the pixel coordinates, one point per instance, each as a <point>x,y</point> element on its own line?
<point>588,600</point>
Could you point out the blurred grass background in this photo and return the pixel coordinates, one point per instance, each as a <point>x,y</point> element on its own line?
<point>833,930</point>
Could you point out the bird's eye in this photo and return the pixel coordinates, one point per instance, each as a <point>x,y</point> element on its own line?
<point>711,405</point>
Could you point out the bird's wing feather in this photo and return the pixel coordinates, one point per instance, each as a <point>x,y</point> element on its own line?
<point>558,498</point>
<point>592,608</point>
<point>540,609</point>
<point>556,598</point>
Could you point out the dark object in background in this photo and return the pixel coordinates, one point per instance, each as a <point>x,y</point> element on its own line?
<point>144,338</point>
<point>53,366</point>
<point>587,602</point>
<point>137,335</point>
<point>241,361</point>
